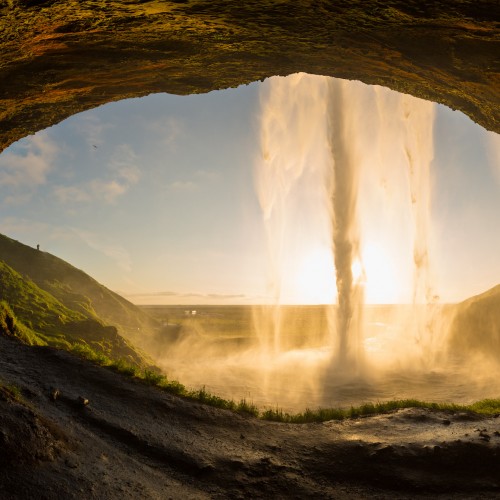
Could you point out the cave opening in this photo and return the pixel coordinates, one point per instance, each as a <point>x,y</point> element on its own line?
<point>158,199</point>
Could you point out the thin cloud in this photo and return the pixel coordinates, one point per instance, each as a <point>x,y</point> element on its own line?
<point>207,175</point>
<point>73,194</point>
<point>18,225</point>
<point>122,175</point>
<point>108,191</point>
<point>110,249</point>
<point>188,294</point>
<point>92,129</point>
<point>152,294</point>
<point>33,229</point>
<point>226,296</point>
<point>28,165</point>
<point>169,130</point>
<point>16,200</point>
<point>201,177</point>
<point>183,186</point>
<point>29,230</point>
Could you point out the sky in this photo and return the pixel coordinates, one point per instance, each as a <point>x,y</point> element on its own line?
<point>156,199</point>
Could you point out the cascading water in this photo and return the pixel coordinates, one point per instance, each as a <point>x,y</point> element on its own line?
<point>292,179</point>
<point>418,119</point>
<point>346,235</point>
<point>348,132</point>
<point>344,185</point>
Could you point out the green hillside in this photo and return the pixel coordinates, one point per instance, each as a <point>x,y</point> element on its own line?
<point>476,326</point>
<point>46,301</point>
<point>78,292</point>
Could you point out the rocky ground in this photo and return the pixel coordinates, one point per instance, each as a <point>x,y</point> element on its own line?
<point>136,441</point>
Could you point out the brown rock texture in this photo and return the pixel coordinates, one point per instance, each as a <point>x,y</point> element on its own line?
<point>133,441</point>
<point>60,57</point>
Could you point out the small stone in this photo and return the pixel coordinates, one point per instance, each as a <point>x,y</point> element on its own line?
<point>54,393</point>
<point>82,401</point>
<point>386,450</point>
<point>71,464</point>
<point>484,436</point>
<point>446,421</point>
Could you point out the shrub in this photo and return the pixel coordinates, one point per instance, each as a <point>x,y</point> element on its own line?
<point>85,351</point>
<point>126,368</point>
<point>153,377</point>
<point>247,408</point>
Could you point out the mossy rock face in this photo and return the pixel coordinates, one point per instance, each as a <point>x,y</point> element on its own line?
<point>62,57</point>
<point>38,306</point>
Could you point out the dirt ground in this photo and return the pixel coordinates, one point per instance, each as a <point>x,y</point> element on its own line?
<point>136,441</point>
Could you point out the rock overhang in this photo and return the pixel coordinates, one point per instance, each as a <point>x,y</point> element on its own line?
<point>63,57</point>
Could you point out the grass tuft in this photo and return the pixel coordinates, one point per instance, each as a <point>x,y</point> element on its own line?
<point>203,396</point>
<point>85,351</point>
<point>484,407</point>
<point>14,391</point>
<point>152,377</point>
<point>246,408</point>
<point>125,367</point>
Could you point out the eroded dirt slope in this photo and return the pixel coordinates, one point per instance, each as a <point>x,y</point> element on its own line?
<point>135,441</point>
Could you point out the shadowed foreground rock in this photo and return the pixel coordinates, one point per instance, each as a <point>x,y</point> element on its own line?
<point>136,441</point>
<point>60,57</point>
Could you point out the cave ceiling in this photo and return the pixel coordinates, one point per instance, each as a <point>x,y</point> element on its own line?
<point>62,57</point>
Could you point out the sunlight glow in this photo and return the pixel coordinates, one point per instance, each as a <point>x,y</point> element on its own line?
<point>382,284</point>
<point>358,272</point>
<point>315,278</point>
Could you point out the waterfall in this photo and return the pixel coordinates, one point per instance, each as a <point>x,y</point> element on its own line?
<point>327,146</point>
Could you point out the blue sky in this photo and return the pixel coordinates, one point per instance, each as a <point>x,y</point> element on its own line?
<point>155,198</point>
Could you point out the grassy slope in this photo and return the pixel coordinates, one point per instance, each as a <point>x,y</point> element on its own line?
<point>52,303</point>
<point>36,309</point>
<point>38,318</point>
<point>77,291</point>
<point>476,326</point>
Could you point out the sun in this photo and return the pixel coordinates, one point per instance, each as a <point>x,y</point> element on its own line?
<point>311,280</point>
<point>314,281</point>
<point>382,285</point>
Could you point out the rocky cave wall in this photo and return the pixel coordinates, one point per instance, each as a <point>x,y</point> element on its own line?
<point>60,57</point>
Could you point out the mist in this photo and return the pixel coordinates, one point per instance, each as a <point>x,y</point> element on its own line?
<point>344,179</point>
